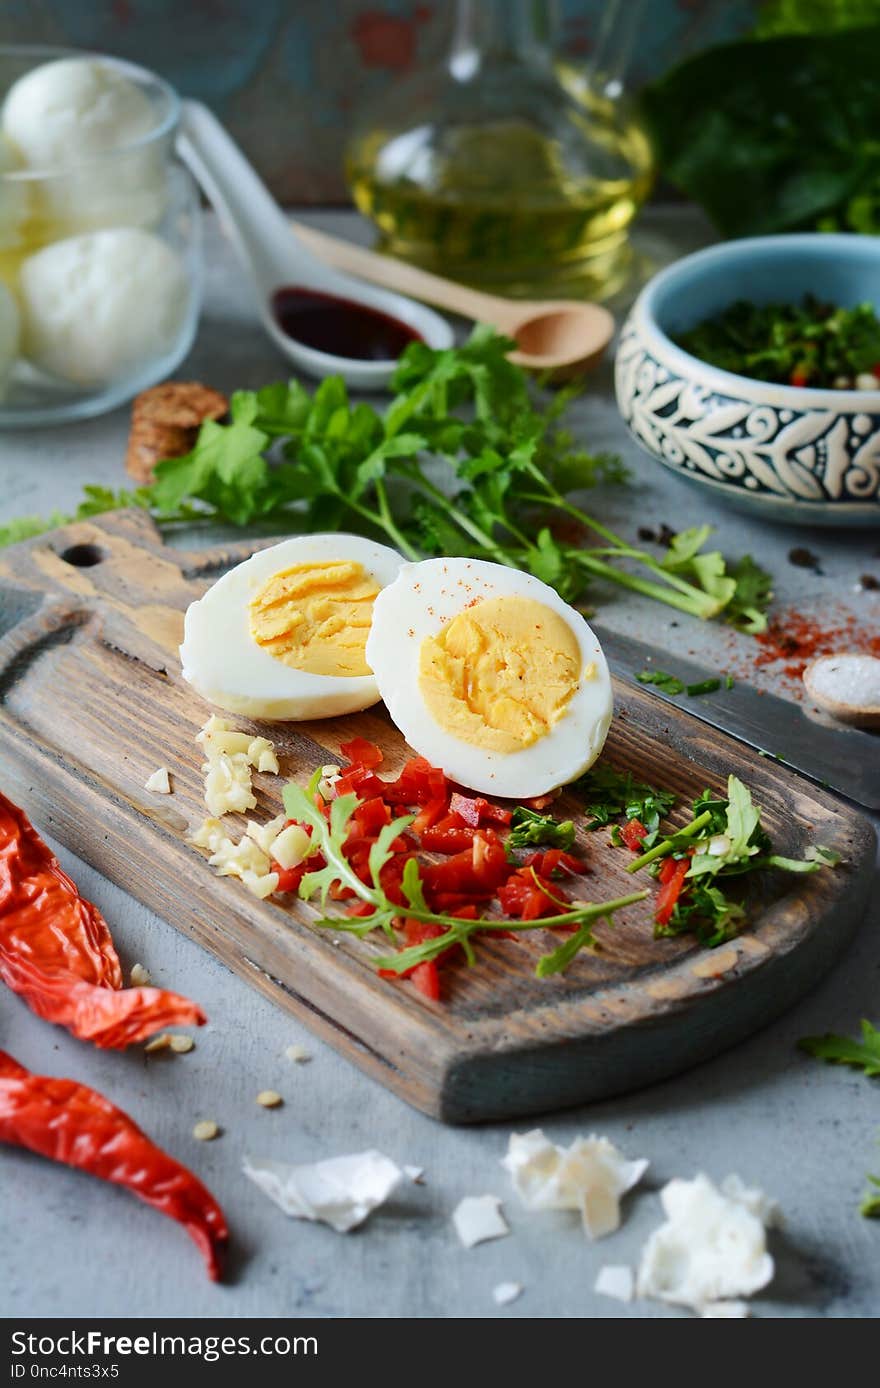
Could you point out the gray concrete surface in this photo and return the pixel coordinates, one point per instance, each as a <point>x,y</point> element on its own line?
<point>807,1133</point>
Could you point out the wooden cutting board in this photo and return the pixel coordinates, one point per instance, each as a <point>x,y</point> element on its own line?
<point>91,702</point>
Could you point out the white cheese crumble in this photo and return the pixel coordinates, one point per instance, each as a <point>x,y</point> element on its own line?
<point>478,1218</point>
<point>617,1281</point>
<point>590,1176</point>
<point>160,781</point>
<point>506,1292</point>
<point>725,1310</point>
<point>712,1248</point>
<point>341,1191</point>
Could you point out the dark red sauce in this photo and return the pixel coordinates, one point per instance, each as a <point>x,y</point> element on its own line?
<point>339,326</point>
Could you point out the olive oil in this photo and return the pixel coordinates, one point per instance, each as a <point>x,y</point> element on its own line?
<point>503,167</point>
<point>502,211</point>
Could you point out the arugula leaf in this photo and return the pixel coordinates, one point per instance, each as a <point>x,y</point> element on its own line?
<point>528,828</point>
<point>329,836</point>
<point>841,1050</point>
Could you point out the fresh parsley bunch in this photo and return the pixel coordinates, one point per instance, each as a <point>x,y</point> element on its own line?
<point>469,458</point>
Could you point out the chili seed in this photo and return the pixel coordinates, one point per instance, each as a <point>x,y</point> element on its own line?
<point>182,1044</point>
<point>269,1098</point>
<point>158,1043</point>
<point>206,1130</point>
<point>140,977</point>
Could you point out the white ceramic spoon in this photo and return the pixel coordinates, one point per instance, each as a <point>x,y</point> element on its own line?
<point>275,258</point>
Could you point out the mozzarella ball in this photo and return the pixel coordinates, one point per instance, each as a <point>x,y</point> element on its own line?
<point>73,119</point>
<point>15,197</point>
<point>72,109</point>
<point>490,676</point>
<point>9,334</point>
<point>283,635</point>
<point>97,308</point>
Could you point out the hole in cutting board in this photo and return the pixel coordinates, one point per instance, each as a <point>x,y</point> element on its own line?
<point>83,556</point>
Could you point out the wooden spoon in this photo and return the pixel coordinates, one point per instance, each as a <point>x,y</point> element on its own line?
<point>564,336</point>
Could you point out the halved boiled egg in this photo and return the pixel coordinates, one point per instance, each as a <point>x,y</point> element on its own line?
<point>283,635</point>
<point>490,676</point>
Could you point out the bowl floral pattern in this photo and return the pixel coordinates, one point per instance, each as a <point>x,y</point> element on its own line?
<point>803,455</point>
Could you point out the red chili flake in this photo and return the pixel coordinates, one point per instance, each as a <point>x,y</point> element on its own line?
<point>796,638</point>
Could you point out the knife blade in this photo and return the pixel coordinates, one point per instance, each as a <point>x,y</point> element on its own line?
<point>843,759</point>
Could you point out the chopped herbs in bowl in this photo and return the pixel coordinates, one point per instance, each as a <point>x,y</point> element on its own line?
<point>752,368</point>
<point>811,343</point>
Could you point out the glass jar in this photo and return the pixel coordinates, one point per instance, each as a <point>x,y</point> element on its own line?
<point>100,259</point>
<point>502,167</point>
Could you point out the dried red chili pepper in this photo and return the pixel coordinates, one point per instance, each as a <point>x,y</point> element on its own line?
<point>57,953</point>
<point>70,1123</point>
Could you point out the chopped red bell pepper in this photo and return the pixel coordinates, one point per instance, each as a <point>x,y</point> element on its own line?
<point>448,835</point>
<point>418,783</point>
<point>426,978</point>
<point>477,811</point>
<point>362,752</point>
<point>672,876</point>
<point>632,834</point>
<point>527,896</point>
<point>429,814</point>
<point>371,816</point>
<point>360,781</point>
<point>475,871</point>
<point>70,1123</point>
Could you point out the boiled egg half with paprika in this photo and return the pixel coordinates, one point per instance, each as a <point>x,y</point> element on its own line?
<point>490,676</point>
<point>283,635</point>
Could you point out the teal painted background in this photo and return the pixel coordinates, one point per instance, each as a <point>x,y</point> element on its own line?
<point>287,75</point>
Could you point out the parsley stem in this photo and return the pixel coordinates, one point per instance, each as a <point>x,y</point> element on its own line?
<point>667,846</point>
<point>464,522</point>
<point>389,524</point>
<point>691,600</point>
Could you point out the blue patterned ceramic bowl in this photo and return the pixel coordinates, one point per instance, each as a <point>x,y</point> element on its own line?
<point>799,455</point>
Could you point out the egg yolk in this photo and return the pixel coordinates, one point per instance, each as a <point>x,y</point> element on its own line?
<point>316,617</point>
<point>501,673</point>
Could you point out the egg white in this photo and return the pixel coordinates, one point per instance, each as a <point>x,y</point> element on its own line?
<point>223,662</point>
<point>420,601</point>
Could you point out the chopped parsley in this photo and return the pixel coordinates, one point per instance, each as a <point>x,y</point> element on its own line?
<point>528,828</point>
<point>672,685</point>
<point>668,684</point>
<point>807,344</point>
<point>608,793</point>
